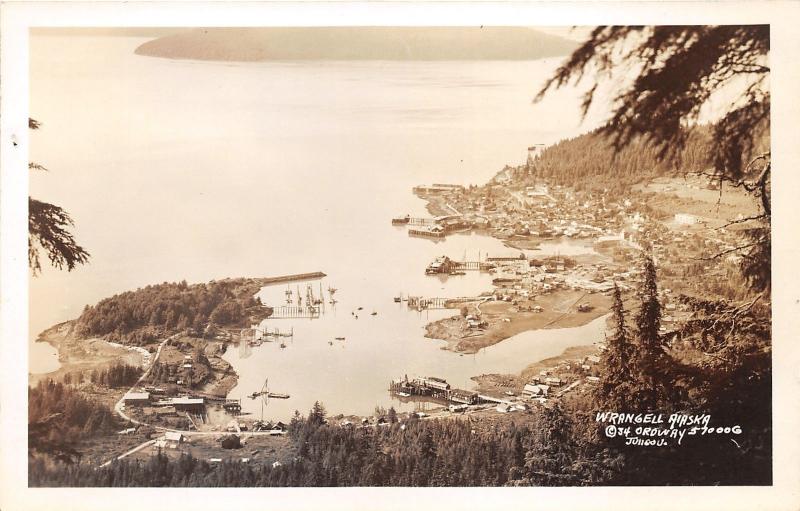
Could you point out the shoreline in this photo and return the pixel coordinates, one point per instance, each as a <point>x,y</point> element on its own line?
<point>498,383</point>
<point>81,355</point>
<point>84,355</point>
<point>559,313</point>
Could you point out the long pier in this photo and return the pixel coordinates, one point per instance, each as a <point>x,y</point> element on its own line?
<point>421,221</point>
<point>292,278</point>
<point>418,302</point>
<point>472,265</point>
<point>491,399</point>
<point>284,312</point>
<point>426,234</point>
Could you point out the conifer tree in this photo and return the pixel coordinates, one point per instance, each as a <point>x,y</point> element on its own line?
<point>616,378</point>
<point>649,362</point>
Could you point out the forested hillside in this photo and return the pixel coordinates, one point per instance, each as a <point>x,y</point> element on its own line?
<point>147,313</point>
<point>59,416</point>
<point>554,447</point>
<point>590,161</point>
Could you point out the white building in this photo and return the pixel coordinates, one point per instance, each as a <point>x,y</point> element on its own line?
<point>685,219</point>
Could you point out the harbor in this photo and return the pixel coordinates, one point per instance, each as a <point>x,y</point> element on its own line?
<point>339,226</point>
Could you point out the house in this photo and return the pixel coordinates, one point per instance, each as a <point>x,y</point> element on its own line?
<point>170,440</point>
<point>685,219</point>
<point>554,381</point>
<point>593,379</point>
<point>463,396</point>
<point>174,438</point>
<point>188,404</point>
<point>167,411</point>
<point>137,398</point>
<point>436,384</point>
<point>474,323</point>
<point>457,408</point>
<point>593,359</point>
<point>532,390</point>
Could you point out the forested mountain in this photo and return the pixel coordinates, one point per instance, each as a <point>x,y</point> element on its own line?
<point>358,43</point>
<point>147,313</point>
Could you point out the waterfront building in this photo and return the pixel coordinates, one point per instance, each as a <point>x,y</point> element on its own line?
<point>137,398</point>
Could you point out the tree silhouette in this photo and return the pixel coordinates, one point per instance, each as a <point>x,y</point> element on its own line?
<point>48,230</point>
<point>650,361</point>
<point>616,378</point>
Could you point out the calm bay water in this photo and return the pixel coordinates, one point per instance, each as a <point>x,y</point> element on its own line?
<point>198,170</point>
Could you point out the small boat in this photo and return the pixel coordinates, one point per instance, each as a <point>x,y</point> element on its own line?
<point>340,338</point>
<point>283,345</point>
<point>404,394</point>
<point>458,272</point>
<point>330,343</point>
<point>374,313</point>
<point>278,395</point>
<point>398,299</point>
<point>360,308</point>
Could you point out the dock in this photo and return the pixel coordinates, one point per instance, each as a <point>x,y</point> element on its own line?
<point>420,303</point>
<point>285,312</point>
<point>421,221</point>
<point>426,233</point>
<point>473,266</point>
<point>292,278</point>
<point>446,265</point>
<point>439,388</point>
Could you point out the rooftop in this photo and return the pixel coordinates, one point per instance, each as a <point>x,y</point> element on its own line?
<point>136,395</point>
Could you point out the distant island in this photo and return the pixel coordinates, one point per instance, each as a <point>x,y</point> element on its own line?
<point>358,43</point>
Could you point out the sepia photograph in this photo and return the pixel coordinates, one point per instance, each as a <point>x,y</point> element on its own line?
<point>375,255</point>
